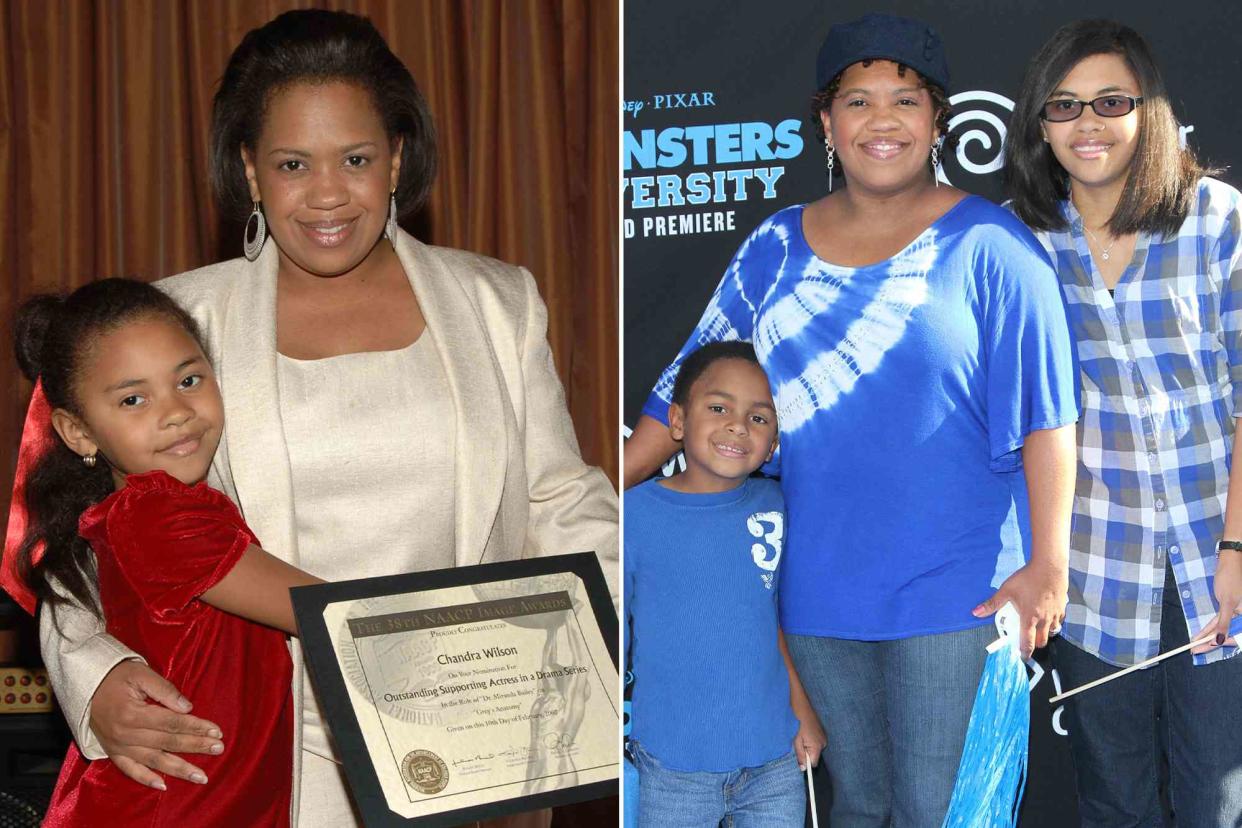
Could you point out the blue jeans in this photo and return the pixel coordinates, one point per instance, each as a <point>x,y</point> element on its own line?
<point>769,796</point>
<point>895,713</point>
<point>1119,731</point>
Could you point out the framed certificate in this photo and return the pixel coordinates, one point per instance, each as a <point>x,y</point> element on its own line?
<point>463,694</point>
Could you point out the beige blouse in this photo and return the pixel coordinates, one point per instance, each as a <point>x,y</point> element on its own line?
<point>364,497</point>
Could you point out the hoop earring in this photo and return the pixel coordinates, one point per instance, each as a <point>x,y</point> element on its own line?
<point>390,227</point>
<point>88,460</point>
<point>252,246</point>
<point>832,159</point>
<point>935,159</point>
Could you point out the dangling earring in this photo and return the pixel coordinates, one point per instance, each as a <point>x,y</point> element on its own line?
<point>88,460</point>
<point>253,245</point>
<point>832,159</point>
<point>390,227</point>
<point>935,159</point>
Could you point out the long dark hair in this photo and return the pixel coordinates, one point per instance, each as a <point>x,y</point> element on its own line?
<point>1163,174</point>
<point>317,46</point>
<point>54,334</point>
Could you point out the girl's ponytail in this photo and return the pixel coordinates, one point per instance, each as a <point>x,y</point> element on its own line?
<point>60,487</point>
<point>31,332</point>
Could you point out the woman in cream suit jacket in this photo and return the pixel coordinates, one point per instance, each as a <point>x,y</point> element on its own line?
<point>400,366</point>
<point>521,487</point>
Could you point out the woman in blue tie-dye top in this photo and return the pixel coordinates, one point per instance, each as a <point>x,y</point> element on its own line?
<point>922,368</point>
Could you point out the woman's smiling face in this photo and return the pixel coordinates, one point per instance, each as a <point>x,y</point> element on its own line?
<point>323,168</point>
<point>1094,150</point>
<point>882,123</point>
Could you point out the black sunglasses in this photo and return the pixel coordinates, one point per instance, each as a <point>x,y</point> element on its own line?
<point>1106,106</point>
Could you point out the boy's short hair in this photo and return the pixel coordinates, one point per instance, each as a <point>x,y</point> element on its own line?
<point>693,366</point>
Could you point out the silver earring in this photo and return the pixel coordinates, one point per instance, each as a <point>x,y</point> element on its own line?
<point>832,159</point>
<point>390,227</point>
<point>252,246</point>
<point>88,460</point>
<point>935,160</point>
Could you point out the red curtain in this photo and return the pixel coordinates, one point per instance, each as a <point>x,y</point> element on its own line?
<point>104,114</point>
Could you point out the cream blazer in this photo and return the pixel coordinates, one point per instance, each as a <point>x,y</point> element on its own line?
<point>521,486</point>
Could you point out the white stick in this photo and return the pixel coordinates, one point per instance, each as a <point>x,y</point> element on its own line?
<point>810,792</point>
<point>1138,666</point>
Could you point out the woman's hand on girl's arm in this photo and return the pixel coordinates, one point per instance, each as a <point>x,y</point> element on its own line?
<point>648,448</point>
<point>1039,590</point>
<point>106,692</point>
<point>141,738</point>
<point>257,588</point>
<point>810,740</point>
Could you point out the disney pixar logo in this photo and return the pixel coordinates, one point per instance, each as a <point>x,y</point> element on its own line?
<point>670,100</point>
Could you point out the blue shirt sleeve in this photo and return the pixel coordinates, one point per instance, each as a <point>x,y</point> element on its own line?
<point>628,562</point>
<point>1223,224</point>
<point>1032,371</point>
<point>730,315</point>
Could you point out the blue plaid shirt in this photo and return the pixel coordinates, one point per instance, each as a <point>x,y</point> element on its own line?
<point>1161,369</point>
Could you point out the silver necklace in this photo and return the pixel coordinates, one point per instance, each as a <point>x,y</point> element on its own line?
<point>1103,250</point>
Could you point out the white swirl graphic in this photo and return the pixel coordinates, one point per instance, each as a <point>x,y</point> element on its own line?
<point>880,325</point>
<point>990,139</point>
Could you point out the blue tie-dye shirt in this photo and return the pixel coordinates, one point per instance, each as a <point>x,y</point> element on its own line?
<point>904,391</point>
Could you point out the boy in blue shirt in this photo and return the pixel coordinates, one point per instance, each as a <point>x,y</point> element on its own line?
<point>716,703</point>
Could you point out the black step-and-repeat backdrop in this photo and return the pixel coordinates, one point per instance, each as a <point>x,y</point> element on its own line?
<point>717,137</point>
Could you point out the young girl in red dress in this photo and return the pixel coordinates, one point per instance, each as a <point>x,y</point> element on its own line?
<point>123,424</point>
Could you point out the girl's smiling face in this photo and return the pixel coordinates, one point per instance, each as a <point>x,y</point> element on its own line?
<point>882,123</point>
<point>323,168</point>
<point>148,400</point>
<point>1094,150</point>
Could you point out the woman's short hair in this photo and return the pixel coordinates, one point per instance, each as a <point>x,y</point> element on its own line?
<point>1163,174</point>
<point>317,46</point>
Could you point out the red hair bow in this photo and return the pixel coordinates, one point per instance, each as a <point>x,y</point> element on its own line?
<point>37,440</point>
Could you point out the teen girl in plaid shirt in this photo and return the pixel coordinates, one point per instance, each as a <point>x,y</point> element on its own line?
<point>1149,253</point>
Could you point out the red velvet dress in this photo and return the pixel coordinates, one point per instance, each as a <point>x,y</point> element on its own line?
<point>159,545</point>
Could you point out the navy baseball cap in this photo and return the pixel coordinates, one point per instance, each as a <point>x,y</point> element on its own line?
<point>883,37</point>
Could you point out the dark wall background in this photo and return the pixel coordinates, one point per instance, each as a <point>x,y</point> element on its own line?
<point>753,63</point>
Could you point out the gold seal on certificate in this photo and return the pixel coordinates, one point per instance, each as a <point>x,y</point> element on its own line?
<point>466,693</point>
<point>424,770</point>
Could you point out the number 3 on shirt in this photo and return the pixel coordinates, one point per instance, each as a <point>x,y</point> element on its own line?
<point>759,552</point>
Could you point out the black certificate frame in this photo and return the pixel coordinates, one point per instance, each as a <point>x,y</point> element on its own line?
<point>309,603</point>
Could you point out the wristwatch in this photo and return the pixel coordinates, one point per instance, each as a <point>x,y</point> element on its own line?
<point>1234,546</point>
